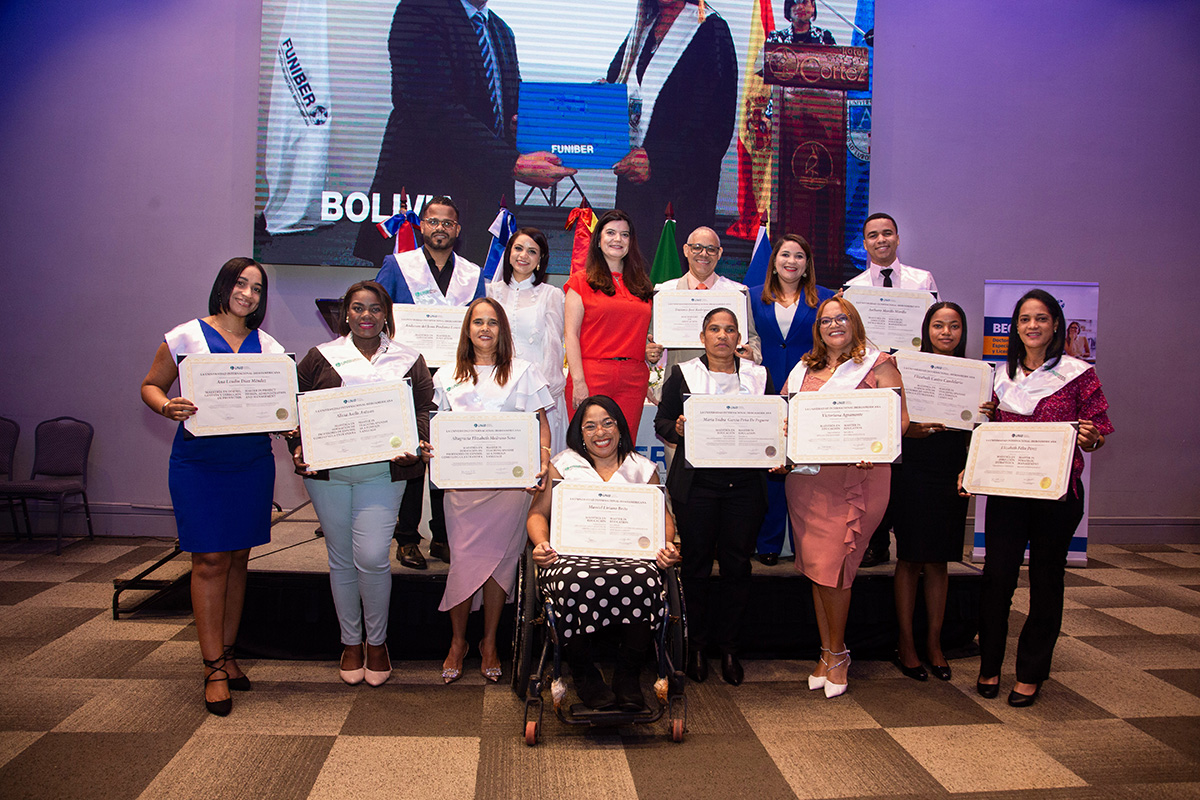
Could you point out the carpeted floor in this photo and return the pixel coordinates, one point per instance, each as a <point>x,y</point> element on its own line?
<point>90,707</point>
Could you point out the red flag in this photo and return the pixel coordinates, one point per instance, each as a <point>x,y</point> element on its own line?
<point>584,220</point>
<point>755,154</point>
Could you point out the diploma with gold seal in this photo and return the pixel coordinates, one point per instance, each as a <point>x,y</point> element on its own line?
<point>735,430</point>
<point>944,389</point>
<point>485,450</point>
<point>679,314</point>
<point>251,393</point>
<point>844,427</point>
<point>607,520</point>
<point>1021,459</point>
<point>432,331</point>
<point>892,317</point>
<point>359,424</point>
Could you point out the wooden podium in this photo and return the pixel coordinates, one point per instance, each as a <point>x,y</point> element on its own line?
<point>813,81</point>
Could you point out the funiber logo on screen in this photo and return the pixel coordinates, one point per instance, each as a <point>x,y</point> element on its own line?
<point>572,148</point>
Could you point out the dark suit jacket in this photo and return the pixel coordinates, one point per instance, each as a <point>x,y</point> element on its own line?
<point>780,356</point>
<point>438,138</point>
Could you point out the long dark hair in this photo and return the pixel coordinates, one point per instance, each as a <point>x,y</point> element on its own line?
<point>539,238</point>
<point>464,362</point>
<point>231,270</point>
<point>927,343</point>
<point>575,429</point>
<point>384,298</point>
<point>1016,348</point>
<point>772,288</point>
<point>599,276</point>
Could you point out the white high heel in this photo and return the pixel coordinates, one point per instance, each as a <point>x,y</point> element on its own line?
<point>816,682</point>
<point>834,689</point>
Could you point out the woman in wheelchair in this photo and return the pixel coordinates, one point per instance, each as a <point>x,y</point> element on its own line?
<point>591,593</point>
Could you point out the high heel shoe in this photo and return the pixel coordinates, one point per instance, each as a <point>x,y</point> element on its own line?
<point>220,708</point>
<point>1019,700</point>
<point>241,683</point>
<point>491,673</point>
<point>353,677</point>
<point>451,674</point>
<point>941,673</point>
<point>988,691</point>
<point>917,673</point>
<point>376,677</point>
<point>818,681</point>
<point>834,689</point>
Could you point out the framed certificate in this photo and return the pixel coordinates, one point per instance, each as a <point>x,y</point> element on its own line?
<point>357,424</point>
<point>892,317</point>
<point>945,389</point>
<point>432,331</point>
<point>1021,459</point>
<point>844,427</point>
<point>679,314</point>
<point>735,430</point>
<point>252,393</point>
<point>607,520</point>
<point>498,450</point>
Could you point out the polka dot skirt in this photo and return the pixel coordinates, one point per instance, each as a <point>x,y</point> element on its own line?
<point>589,593</point>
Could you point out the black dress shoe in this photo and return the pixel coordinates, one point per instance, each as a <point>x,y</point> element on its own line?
<point>941,673</point>
<point>731,670</point>
<point>594,692</point>
<point>241,683</point>
<point>409,555</point>
<point>768,559</point>
<point>988,691</point>
<point>697,666</point>
<point>917,673</point>
<point>627,687</point>
<point>439,550</point>
<point>874,557</point>
<point>1018,700</point>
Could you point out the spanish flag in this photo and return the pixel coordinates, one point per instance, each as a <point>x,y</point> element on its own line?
<point>756,154</point>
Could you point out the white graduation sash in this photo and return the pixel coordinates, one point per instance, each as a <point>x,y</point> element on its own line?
<point>574,467</point>
<point>414,267</point>
<point>845,378</point>
<point>188,339</point>
<point>465,395</point>
<point>1022,394</point>
<point>751,379</point>
<point>644,94</point>
<point>390,363</point>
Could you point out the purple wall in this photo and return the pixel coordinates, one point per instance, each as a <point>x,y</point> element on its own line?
<point>1013,141</point>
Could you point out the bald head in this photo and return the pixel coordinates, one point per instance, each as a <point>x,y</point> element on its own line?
<point>707,246</point>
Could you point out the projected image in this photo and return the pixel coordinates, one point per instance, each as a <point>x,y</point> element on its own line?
<point>370,107</point>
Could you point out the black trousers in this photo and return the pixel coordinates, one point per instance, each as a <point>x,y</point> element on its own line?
<point>409,517</point>
<point>1046,527</point>
<point>720,519</point>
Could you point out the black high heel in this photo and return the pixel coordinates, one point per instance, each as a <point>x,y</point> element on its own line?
<point>220,708</point>
<point>240,683</point>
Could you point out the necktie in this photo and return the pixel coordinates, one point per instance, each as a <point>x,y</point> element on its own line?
<point>489,61</point>
<point>701,286</point>
<point>887,277</point>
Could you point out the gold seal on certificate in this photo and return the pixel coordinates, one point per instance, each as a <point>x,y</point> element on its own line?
<point>430,330</point>
<point>607,520</point>
<point>1021,459</point>
<point>251,393</point>
<point>679,314</point>
<point>945,389</point>
<point>484,450</point>
<point>892,317</point>
<point>734,430</point>
<point>359,424</point>
<point>844,427</point>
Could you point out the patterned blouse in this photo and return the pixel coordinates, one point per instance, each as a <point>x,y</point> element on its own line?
<point>788,35</point>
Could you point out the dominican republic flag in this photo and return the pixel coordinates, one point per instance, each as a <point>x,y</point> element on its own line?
<point>503,227</point>
<point>404,227</point>
<point>756,273</point>
<point>755,121</point>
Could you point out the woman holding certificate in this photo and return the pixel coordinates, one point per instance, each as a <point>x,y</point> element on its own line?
<point>600,448</point>
<point>357,504</point>
<point>784,309</point>
<point>486,527</point>
<point>607,319</point>
<point>535,311</point>
<point>719,510</point>
<point>834,511</point>
<point>221,486</point>
<point>929,515</point>
<point>1038,384</point>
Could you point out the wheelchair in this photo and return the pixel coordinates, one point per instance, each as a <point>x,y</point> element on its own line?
<point>538,659</point>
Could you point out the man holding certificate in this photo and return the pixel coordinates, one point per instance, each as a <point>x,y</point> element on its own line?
<point>357,504</point>
<point>719,510</point>
<point>834,507</point>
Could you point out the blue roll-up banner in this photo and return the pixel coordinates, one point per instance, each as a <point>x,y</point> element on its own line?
<point>584,124</point>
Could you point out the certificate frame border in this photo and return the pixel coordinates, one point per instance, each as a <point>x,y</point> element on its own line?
<point>745,399</point>
<point>410,423</point>
<point>1066,456</point>
<point>533,456</point>
<point>186,385</point>
<point>891,445</point>
<point>689,294</point>
<point>932,358</point>
<point>658,524</point>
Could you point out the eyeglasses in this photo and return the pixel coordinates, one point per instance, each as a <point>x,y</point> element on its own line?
<point>840,320</point>
<point>435,223</point>
<point>607,424</point>
<point>697,249</point>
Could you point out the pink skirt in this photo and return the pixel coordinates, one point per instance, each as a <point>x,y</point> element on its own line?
<point>833,515</point>
<point>486,532</point>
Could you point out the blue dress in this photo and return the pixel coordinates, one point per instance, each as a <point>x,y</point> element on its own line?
<point>780,355</point>
<point>221,486</point>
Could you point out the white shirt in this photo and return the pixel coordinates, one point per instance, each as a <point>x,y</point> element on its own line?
<point>903,277</point>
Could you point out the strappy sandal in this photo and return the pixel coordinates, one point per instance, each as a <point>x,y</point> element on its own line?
<point>220,708</point>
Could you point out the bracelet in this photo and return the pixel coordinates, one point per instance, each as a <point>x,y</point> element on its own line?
<point>162,411</point>
<point>548,450</point>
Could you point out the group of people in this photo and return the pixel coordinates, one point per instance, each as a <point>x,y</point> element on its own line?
<point>516,333</point>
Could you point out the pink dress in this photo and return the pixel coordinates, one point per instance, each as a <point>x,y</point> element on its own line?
<point>834,512</point>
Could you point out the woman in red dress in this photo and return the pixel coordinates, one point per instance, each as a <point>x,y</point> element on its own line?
<point>607,319</point>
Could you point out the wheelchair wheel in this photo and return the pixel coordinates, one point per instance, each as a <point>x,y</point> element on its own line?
<point>531,733</point>
<point>677,625</point>
<point>526,635</point>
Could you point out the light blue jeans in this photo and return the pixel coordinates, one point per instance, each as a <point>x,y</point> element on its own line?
<point>357,509</point>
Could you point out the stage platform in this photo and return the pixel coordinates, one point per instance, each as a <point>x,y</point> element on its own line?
<point>289,610</point>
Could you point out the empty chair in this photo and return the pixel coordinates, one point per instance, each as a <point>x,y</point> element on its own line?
<point>9,431</point>
<point>61,447</point>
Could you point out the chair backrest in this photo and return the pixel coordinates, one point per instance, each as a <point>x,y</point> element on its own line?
<point>9,431</point>
<point>61,447</point>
